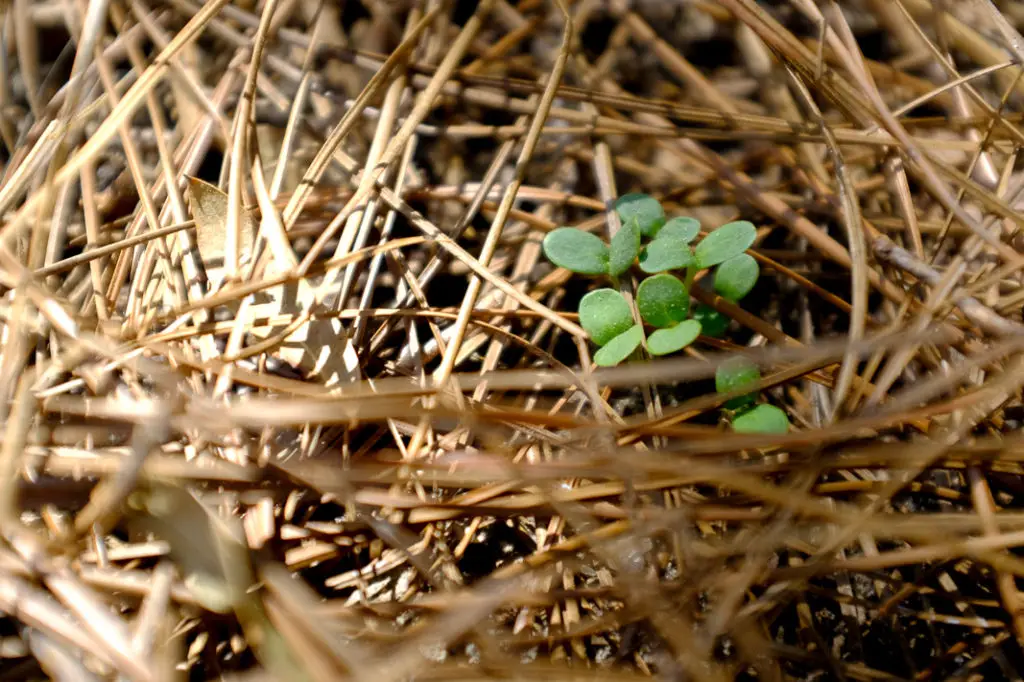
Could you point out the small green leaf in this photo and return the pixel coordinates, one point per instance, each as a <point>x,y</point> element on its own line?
<point>712,322</point>
<point>681,229</point>
<point>619,348</point>
<point>576,250</point>
<point>662,300</point>
<point>727,241</point>
<point>665,254</point>
<point>625,247</point>
<point>672,339</point>
<point>605,314</point>
<point>736,374</point>
<point>762,419</point>
<point>736,277</point>
<point>647,212</point>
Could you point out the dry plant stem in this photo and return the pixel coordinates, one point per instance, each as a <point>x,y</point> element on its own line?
<point>855,238</point>
<point>498,223</point>
<point>436,262</point>
<point>127,106</point>
<point>981,495</point>
<point>386,121</point>
<point>88,180</point>
<point>800,59</point>
<point>424,102</point>
<point>28,53</point>
<point>917,158</point>
<point>451,246</point>
<point>726,123</point>
<point>239,146</point>
<point>92,31</point>
<point>19,421</point>
<point>900,190</point>
<point>187,159</point>
<point>172,279</point>
<point>327,150</point>
<point>181,260</point>
<point>991,322</point>
<point>973,309</point>
<point>995,396</point>
<point>154,610</point>
<point>37,609</point>
<point>984,172</point>
<point>641,537</point>
<point>194,94</point>
<point>360,326</point>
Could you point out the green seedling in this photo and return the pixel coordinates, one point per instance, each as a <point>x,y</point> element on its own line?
<point>761,419</point>
<point>577,250</point>
<point>673,339</point>
<point>645,210</point>
<point>712,322</point>
<point>726,242</point>
<point>624,248</point>
<point>664,302</point>
<point>736,277</point>
<point>736,374</point>
<point>606,317</point>
<point>620,348</point>
<point>663,298</point>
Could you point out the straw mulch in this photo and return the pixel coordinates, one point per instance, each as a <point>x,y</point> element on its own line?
<point>290,392</point>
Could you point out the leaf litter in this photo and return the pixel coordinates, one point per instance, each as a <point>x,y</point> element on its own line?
<point>362,437</point>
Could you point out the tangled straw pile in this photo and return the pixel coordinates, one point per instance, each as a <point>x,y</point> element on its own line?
<point>290,393</point>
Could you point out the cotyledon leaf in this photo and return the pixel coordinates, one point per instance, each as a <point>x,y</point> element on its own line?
<point>735,277</point>
<point>619,348</point>
<point>662,300</point>
<point>673,339</point>
<point>624,248</point>
<point>722,244</point>
<point>605,314</point>
<point>761,419</point>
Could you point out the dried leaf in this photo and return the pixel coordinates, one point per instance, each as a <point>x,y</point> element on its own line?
<point>319,348</point>
<point>210,210</point>
<point>212,554</point>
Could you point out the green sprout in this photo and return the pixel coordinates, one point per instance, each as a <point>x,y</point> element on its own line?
<point>712,322</point>
<point>663,298</point>
<point>645,210</point>
<point>761,419</point>
<point>606,316</point>
<point>736,374</point>
<point>740,375</point>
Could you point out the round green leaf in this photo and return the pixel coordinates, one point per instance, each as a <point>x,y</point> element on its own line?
<point>681,229</point>
<point>712,322</point>
<point>662,300</point>
<point>665,254</point>
<point>736,277</point>
<point>727,241</point>
<point>646,210</point>
<point>625,247</point>
<point>735,374</point>
<point>672,339</point>
<point>619,348</point>
<point>576,250</point>
<point>762,419</point>
<point>605,314</point>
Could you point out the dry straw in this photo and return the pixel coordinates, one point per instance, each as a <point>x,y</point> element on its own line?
<point>290,391</point>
